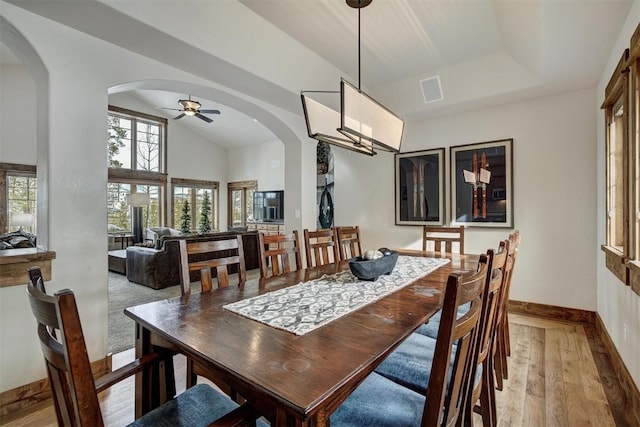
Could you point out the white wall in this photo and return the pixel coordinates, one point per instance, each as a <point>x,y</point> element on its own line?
<point>263,162</point>
<point>618,305</point>
<point>554,200</point>
<point>81,70</point>
<point>17,115</point>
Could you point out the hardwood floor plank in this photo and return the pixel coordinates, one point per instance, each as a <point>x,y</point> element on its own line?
<point>556,413</point>
<point>559,375</point>
<point>534,409</point>
<point>515,389</point>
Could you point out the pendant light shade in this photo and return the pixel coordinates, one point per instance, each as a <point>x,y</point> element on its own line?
<point>362,125</point>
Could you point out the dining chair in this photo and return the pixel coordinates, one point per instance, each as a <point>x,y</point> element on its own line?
<point>348,239</point>
<point>225,256</point>
<point>443,238</point>
<point>35,277</point>
<point>320,247</point>
<point>503,350</point>
<point>380,400</point>
<point>203,257</point>
<point>75,392</point>
<point>275,250</point>
<point>483,390</point>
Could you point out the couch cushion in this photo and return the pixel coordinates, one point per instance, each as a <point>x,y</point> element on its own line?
<point>155,234</point>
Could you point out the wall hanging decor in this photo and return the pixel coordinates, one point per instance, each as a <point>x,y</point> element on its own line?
<point>482,184</point>
<point>419,187</point>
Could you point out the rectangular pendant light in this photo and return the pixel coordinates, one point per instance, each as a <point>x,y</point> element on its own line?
<point>323,125</point>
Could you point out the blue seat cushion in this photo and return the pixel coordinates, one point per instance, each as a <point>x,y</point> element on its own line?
<point>199,405</point>
<point>430,329</point>
<point>379,401</point>
<point>410,364</point>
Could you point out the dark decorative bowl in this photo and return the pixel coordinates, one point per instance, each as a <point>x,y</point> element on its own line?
<point>365,269</point>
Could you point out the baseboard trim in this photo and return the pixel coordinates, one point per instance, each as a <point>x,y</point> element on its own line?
<point>552,312</point>
<point>620,369</point>
<point>28,395</point>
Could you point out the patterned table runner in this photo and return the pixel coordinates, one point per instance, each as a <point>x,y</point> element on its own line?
<point>309,305</point>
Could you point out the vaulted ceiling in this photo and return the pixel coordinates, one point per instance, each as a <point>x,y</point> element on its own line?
<point>484,52</point>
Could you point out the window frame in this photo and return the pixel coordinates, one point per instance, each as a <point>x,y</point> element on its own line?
<point>624,260</point>
<point>7,170</point>
<point>195,184</point>
<point>135,117</point>
<point>135,177</point>
<point>633,263</point>
<point>245,186</point>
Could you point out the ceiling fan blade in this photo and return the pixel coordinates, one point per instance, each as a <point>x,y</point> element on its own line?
<point>206,119</point>
<point>210,111</point>
<point>179,117</point>
<point>165,108</point>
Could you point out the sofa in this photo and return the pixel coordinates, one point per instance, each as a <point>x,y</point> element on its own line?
<point>17,240</point>
<point>158,267</point>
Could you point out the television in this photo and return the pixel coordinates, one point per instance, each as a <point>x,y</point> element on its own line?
<point>268,206</point>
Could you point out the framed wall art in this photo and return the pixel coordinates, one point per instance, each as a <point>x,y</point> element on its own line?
<point>482,184</point>
<point>419,187</point>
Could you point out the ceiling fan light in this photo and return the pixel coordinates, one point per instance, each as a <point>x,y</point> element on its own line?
<point>189,104</point>
<point>189,112</point>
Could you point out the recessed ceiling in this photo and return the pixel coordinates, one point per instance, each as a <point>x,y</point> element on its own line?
<point>486,52</point>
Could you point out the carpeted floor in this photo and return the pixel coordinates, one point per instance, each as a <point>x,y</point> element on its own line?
<point>123,294</point>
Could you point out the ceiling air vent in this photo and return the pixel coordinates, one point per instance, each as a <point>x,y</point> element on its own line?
<point>431,89</point>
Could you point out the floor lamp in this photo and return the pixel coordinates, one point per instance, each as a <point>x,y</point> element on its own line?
<point>22,220</point>
<point>137,201</point>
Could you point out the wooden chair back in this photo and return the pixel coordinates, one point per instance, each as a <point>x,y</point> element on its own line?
<point>208,256</point>
<point>320,247</point>
<point>503,342</point>
<point>443,238</point>
<point>74,390</point>
<point>446,391</point>
<point>35,277</point>
<point>348,239</point>
<point>487,328</point>
<point>276,250</point>
<point>66,359</point>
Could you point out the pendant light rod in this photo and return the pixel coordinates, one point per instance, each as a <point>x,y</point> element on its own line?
<point>359,4</point>
<point>359,75</point>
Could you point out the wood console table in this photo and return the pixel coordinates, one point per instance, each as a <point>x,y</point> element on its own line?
<point>15,262</point>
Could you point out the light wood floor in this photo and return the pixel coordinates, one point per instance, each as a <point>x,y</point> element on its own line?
<point>558,376</point>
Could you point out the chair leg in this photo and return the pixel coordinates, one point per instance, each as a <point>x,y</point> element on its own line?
<point>497,366</point>
<point>507,340</point>
<point>504,351</point>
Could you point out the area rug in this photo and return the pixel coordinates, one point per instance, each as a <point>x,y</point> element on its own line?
<point>123,294</point>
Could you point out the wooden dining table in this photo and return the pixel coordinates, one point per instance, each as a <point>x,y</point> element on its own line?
<point>291,379</point>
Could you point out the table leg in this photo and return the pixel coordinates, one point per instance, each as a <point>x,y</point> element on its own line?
<point>156,384</point>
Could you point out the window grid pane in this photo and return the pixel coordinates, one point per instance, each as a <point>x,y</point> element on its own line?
<point>118,211</point>
<point>21,198</point>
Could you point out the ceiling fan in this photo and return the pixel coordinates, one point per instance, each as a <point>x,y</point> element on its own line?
<point>192,108</point>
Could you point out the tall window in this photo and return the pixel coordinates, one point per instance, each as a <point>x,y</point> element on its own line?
<point>195,192</point>
<point>119,213</point>
<point>616,170</point>
<point>18,189</point>
<point>622,115</point>
<point>136,140</point>
<point>240,201</point>
<point>136,146</point>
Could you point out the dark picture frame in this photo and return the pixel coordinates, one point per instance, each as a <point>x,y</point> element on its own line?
<point>482,184</point>
<point>420,187</point>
